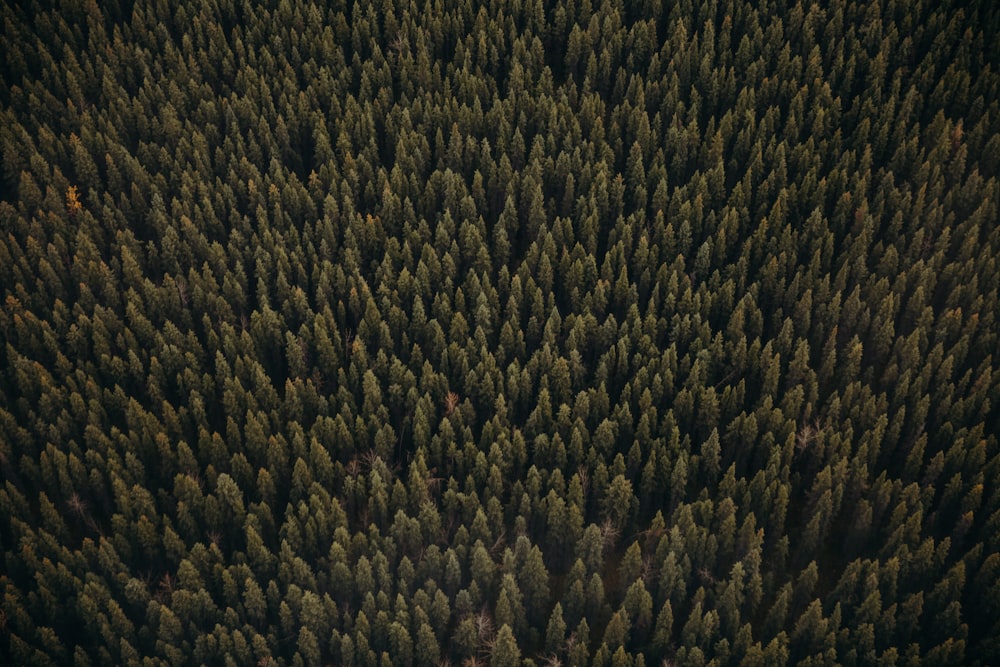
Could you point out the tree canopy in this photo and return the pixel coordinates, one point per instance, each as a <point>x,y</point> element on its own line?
<point>587,333</point>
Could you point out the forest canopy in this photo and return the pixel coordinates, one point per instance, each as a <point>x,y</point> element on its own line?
<point>557,332</point>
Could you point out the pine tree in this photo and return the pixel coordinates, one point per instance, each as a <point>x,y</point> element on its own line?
<point>505,652</point>
<point>555,632</point>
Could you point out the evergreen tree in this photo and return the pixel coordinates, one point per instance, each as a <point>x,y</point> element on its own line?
<point>505,652</point>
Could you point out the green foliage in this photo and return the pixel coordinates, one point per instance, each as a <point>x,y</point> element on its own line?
<point>570,332</point>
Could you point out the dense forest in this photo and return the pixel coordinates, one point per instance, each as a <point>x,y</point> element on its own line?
<point>575,332</point>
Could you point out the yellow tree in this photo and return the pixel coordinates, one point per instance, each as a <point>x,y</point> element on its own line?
<point>73,203</point>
